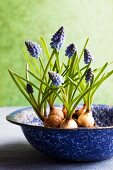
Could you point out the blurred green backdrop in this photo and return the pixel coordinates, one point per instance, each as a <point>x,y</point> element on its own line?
<point>21,20</point>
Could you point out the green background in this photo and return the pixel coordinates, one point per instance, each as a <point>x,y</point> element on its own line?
<point>21,20</point>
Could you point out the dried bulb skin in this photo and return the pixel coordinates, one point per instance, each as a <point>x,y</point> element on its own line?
<point>53,121</point>
<point>81,110</point>
<point>64,110</point>
<point>55,111</point>
<point>68,124</point>
<point>86,120</point>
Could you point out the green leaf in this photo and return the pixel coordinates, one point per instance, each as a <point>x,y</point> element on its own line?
<point>66,66</point>
<point>46,89</point>
<point>21,87</point>
<point>41,63</point>
<point>72,82</point>
<point>45,97</point>
<point>72,64</point>
<point>54,67</point>
<point>65,72</point>
<point>35,63</point>
<point>27,68</point>
<point>57,61</point>
<point>26,80</point>
<point>29,61</point>
<point>83,49</point>
<point>62,65</point>
<point>44,74</point>
<point>89,89</point>
<point>21,84</point>
<point>45,108</point>
<point>101,71</point>
<point>37,78</point>
<point>82,77</point>
<point>44,45</point>
<point>76,74</point>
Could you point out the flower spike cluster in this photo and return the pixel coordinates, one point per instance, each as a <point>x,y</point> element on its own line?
<point>56,78</point>
<point>89,75</point>
<point>58,39</point>
<point>70,50</point>
<point>87,56</point>
<point>33,48</point>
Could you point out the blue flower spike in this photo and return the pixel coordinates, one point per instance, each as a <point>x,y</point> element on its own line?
<point>58,39</point>
<point>70,50</point>
<point>87,56</point>
<point>89,75</point>
<point>33,48</point>
<point>56,78</point>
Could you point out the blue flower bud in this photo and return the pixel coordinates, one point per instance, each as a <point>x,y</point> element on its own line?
<point>33,48</point>
<point>29,88</point>
<point>89,75</point>
<point>56,78</point>
<point>58,39</point>
<point>70,50</point>
<point>87,56</point>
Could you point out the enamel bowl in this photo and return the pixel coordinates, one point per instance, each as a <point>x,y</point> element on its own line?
<point>82,144</point>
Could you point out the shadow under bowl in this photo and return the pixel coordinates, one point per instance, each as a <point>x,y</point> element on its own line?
<point>82,144</point>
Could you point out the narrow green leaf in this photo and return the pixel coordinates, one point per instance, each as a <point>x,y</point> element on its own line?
<point>26,72</point>
<point>81,79</point>
<point>57,60</point>
<point>90,88</point>
<point>35,63</point>
<point>101,71</point>
<point>44,45</point>
<point>25,94</point>
<point>72,81</point>
<point>73,60</point>
<point>45,108</point>
<point>19,87</point>
<point>45,97</point>
<point>83,49</point>
<point>44,74</point>
<point>37,78</point>
<point>26,80</point>
<point>62,65</point>
<point>28,61</point>
<point>41,63</point>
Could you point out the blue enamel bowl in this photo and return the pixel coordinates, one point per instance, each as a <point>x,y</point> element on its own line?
<point>82,144</point>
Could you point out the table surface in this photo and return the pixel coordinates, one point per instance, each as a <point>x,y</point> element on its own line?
<point>16,153</point>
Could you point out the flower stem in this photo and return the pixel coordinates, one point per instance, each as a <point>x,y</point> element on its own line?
<point>44,74</point>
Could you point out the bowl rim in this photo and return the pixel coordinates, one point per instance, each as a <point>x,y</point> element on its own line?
<point>8,118</point>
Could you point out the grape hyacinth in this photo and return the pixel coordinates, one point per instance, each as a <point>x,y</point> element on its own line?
<point>70,50</point>
<point>33,48</point>
<point>58,39</point>
<point>89,75</point>
<point>87,56</point>
<point>29,88</point>
<point>56,78</point>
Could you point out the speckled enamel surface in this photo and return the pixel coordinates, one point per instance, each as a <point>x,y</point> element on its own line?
<point>80,144</point>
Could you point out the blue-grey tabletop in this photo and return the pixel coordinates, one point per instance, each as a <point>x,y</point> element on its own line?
<point>16,153</point>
